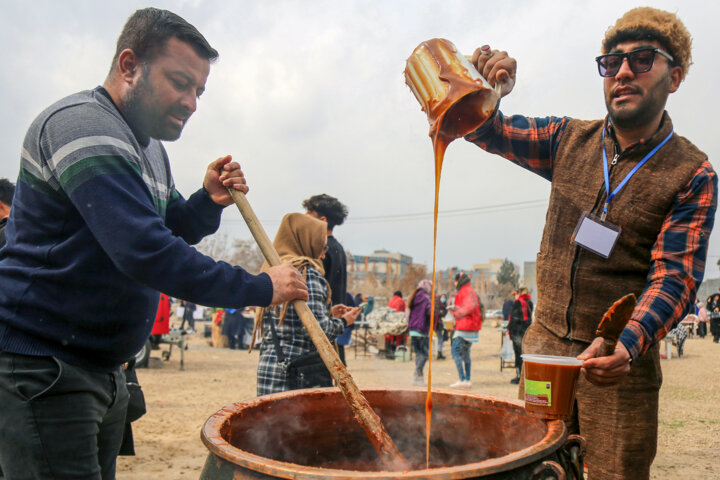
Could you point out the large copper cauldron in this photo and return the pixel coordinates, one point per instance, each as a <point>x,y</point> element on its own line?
<point>311,434</point>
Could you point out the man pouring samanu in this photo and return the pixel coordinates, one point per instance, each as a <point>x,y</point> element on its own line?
<point>643,199</point>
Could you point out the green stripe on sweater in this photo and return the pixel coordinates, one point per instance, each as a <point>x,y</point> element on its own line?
<point>84,169</point>
<point>38,184</point>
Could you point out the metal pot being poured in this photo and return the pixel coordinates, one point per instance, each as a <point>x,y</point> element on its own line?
<point>453,94</point>
<point>310,434</point>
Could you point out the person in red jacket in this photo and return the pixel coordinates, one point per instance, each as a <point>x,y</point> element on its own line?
<point>393,341</point>
<point>467,311</point>
<point>396,302</point>
<point>162,317</point>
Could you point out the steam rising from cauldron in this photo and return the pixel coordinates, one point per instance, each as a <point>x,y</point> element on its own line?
<point>296,431</point>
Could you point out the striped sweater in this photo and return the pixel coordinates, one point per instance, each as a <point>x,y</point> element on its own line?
<point>96,230</point>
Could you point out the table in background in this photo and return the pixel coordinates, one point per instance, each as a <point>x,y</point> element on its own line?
<point>360,332</point>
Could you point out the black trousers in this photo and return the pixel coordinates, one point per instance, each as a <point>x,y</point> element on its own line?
<point>64,422</point>
<point>702,329</point>
<point>715,328</point>
<point>517,333</point>
<point>341,353</point>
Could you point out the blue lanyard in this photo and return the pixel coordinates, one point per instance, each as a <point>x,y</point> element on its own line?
<point>627,177</point>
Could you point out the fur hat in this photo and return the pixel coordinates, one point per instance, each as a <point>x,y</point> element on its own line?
<point>646,23</point>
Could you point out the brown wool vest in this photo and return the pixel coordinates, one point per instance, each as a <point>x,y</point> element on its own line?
<point>576,286</point>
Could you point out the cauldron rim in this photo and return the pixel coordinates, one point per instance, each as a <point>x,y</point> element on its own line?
<point>554,439</point>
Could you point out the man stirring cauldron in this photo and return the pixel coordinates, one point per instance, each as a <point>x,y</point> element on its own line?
<point>644,224</point>
<point>97,228</point>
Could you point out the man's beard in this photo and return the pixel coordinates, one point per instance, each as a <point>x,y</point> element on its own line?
<point>143,119</point>
<point>652,103</point>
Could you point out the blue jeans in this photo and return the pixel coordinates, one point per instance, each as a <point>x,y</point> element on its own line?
<point>460,350</point>
<point>65,422</point>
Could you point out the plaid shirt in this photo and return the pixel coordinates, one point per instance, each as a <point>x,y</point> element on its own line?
<point>678,255</point>
<point>294,339</point>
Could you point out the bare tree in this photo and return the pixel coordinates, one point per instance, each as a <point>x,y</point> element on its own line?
<point>243,252</point>
<point>412,277</point>
<point>248,255</point>
<point>368,285</point>
<point>371,285</point>
<point>217,246</point>
<point>496,294</point>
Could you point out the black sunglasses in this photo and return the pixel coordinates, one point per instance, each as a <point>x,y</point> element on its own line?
<point>640,61</point>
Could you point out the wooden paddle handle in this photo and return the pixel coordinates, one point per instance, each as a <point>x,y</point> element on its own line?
<point>364,414</point>
<point>607,348</point>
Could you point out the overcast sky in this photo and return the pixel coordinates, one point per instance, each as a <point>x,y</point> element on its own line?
<point>309,97</point>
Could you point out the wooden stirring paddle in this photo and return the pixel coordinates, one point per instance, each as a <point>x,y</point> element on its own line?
<point>613,323</point>
<point>367,418</point>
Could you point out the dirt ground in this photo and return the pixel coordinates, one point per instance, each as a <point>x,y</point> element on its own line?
<point>167,438</point>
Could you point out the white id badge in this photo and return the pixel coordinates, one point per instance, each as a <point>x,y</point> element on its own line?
<point>593,234</point>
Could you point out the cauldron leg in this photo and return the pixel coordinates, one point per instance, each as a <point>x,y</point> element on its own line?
<point>571,456</point>
<point>215,469</point>
<point>218,469</point>
<point>549,470</point>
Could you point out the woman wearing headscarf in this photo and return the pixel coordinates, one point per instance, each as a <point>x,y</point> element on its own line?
<point>467,311</point>
<point>419,326</point>
<point>301,241</point>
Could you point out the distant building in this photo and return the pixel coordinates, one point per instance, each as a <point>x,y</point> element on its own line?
<point>382,264</point>
<point>484,274</point>
<point>386,266</point>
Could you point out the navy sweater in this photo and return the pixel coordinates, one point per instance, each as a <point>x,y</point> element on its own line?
<point>96,230</point>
